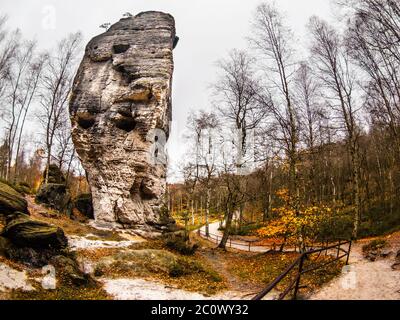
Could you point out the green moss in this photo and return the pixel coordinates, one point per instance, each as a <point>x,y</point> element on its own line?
<point>11,201</point>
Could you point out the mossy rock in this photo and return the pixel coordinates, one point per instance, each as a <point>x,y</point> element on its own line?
<point>69,271</point>
<point>11,201</point>
<point>53,195</point>
<point>148,259</point>
<point>22,231</point>
<point>374,245</point>
<point>32,257</point>
<point>83,203</point>
<point>176,241</point>
<point>23,188</point>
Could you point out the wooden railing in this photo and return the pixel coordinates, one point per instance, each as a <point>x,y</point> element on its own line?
<point>298,264</point>
<point>247,244</point>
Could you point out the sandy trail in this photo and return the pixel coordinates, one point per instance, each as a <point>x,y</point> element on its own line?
<point>363,279</point>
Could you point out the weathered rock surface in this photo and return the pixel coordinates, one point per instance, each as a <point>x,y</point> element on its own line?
<point>121,111</point>
<point>22,231</point>
<point>55,193</point>
<point>69,270</point>
<point>11,201</point>
<point>396,265</point>
<point>54,196</point>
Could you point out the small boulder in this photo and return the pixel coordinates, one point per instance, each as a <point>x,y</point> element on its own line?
<point>69,270</point>
<point>177,242</point>
<point>398,256</point>
<point>55,175</point>
<point>23,188</point>
<point>22,231</point>
<point>11,201</point>
<point>385,253</point>
<point>396,266</point>
<point>54,196</point>
<point>32,257</point>
<point>372,256</point>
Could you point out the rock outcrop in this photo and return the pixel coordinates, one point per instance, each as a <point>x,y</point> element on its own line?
<point>55,193</point>
<point>31,242</point>
<point>11,201</point>
<point>22,231</point>
<point>120,110</point>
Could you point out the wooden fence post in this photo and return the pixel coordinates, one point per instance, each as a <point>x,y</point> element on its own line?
<point>348,253</point>
<point>338,249</point>
<point>296,288</point>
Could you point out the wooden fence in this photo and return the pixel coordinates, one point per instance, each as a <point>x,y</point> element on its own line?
<point>298,265</point>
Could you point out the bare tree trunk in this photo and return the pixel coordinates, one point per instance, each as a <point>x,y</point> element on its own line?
<point>227,230</point>
<point>208,210</point>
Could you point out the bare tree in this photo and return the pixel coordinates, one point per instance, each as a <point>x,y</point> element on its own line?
<point>205,141</point>
<point>28,94</point>
<point>9,42</point>
<point>19,94</point>
<point>338,78</point>
<point>272,39</point>
<point>57,83</point>
<point>235,95</point>
<point>372,39</point>
<point>310,113</point>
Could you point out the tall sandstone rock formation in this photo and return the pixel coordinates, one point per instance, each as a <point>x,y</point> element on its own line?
<point>120,110</point>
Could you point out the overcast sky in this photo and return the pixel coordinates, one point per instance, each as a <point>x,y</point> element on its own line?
<point>208,29</point>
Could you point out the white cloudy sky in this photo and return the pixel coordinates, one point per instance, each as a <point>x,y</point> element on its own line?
<point>208,29</point>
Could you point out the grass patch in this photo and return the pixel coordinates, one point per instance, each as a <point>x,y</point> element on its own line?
<point>62,292</point>
<point>151,261</point>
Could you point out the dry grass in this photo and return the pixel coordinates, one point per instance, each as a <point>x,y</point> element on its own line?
<point>152,261</point>
<point>62,292</point>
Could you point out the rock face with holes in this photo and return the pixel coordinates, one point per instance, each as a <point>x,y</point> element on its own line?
<point>120,110</point>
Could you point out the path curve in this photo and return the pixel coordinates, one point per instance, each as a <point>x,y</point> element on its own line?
<point>236,244</point>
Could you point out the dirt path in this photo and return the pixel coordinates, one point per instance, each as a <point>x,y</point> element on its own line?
<point>363,279</point>
<point>244,290</point>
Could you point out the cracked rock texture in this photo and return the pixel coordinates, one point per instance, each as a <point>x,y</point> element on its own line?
<point>120,110</point>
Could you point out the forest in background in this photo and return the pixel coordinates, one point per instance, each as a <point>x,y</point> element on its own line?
<point>301,149</point>
<point>295,148</point>
<point>34,93</point>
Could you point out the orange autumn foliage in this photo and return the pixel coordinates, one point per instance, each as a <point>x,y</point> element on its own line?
<point>288,223</point>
